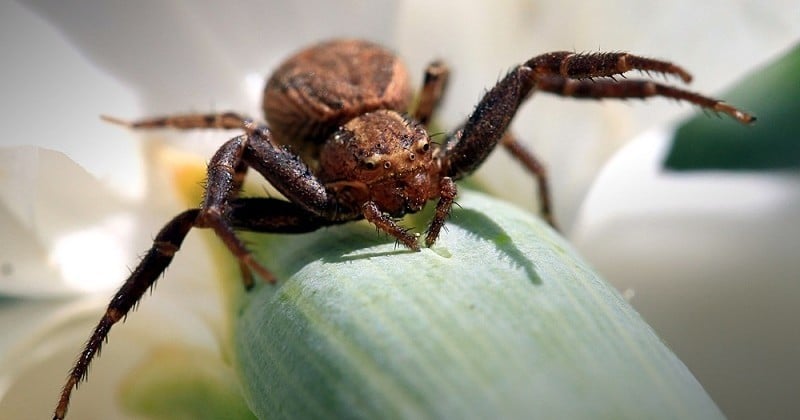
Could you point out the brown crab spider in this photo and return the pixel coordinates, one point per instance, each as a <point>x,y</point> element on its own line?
<point>341,144</point>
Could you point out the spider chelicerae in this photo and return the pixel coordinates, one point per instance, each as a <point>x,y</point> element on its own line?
<point>340,147</point>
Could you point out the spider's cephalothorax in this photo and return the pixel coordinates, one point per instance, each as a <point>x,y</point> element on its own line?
<point>381,157</point>
<point>342,145</point>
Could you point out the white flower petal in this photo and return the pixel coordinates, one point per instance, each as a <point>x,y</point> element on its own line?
<point>33,369</point>
<point>66,231</point>
<point>712,259</point>
<point>182,57</point>
<point>53,96</point>
<point>35,364</point>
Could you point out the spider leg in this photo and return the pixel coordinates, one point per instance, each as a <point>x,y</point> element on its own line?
<point>433,85</point>
<point>565,74</point>
<point>224,120</point>
<point>382,221</point>
<point>290,175</point>
<point>250,214</point>
<point>570,74</point>
<point>165,245</point>
<point>225,173</point>
<point>466,149</point>
<point>639,89</point>
<point>605,64</point>
<point>447,194</point>
<point>272,215</point>
<point>535,167</point>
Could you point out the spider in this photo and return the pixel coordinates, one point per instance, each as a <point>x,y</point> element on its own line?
<point>339,147</point>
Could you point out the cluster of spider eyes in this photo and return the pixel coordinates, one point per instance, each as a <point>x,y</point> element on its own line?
<point>373,161</point>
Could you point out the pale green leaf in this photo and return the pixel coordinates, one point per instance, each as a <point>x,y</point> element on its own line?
<point>501,319</point>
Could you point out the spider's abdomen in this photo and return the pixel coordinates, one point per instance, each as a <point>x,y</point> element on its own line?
<point>320,88</point>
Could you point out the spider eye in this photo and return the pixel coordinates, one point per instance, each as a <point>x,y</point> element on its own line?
<point>423,145</point>
<point>371,162</point>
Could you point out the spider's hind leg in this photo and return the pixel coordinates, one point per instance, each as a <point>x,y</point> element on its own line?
<point>223,120</point>
<point>433,86</point>
<point>535,167</point>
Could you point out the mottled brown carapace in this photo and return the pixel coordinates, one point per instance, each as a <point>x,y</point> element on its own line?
<point>343,143</point>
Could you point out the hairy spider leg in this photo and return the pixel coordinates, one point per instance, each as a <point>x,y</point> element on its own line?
<point>433,87</point>
<point>570,75</point>
<point>535,167</point>
<point>261,214</point>
<point>447,196</point>
<point>165,245</point>
<point>226,175</point>
<point>289,174</point>
<point>636,89</point>
<point>604,64</point>
<point>565,74</point>
<point>273,215</point>
<point>285,171</point>
<point>223,120</point>
<point>224,181</point>
<point>383,222</point>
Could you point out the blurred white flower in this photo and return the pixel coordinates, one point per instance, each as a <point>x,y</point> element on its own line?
<point>712,258</point>
<point>67,64</point>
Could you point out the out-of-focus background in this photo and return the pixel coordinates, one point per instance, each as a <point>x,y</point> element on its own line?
<point>707,257</point>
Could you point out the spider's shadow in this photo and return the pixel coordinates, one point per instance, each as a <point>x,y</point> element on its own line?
<point>344,242</point>
<point>348,240</point>
<point>487,229</point>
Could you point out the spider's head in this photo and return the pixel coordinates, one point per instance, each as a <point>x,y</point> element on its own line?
<point>383,157</point>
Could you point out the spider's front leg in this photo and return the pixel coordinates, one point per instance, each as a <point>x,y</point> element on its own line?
<point>447,196</point>
<point>267,215</point>
<point>283,169</point>
<point>564,74</point>
<point>467,148</point>
<point>221,211</point>
<point>225,175</point>
<point>226,172</point>
<point>155,261</point>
